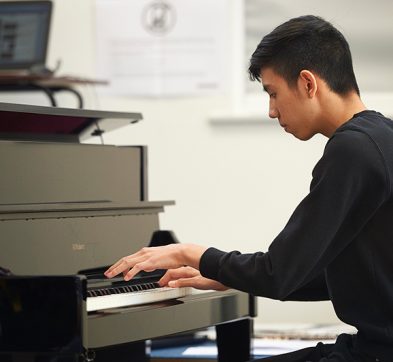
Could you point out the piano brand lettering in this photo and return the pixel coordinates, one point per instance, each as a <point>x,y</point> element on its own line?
<point>78,247</point>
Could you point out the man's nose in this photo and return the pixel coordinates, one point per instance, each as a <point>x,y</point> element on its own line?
<point>273,113</point>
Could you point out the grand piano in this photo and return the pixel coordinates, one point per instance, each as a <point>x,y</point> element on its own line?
<point>68,210</point>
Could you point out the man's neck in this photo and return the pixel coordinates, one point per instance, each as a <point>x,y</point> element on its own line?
<point>339,110</point>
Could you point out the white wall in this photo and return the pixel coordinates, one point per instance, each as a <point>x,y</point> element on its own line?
<point>235,183</point>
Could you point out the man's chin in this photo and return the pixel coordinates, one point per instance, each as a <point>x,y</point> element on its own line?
<point>301,137</point>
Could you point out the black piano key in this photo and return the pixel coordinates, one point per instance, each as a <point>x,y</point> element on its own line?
<point>122,289</point>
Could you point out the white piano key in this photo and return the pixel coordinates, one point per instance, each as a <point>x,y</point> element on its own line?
<point>135,298</point>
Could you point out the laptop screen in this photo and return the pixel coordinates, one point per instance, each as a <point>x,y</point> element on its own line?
<point>24,31</point>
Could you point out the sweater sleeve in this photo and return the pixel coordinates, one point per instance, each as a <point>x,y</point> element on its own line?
<point>349,185</point>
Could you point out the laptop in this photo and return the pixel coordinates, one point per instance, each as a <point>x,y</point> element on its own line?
<point>24,34</point>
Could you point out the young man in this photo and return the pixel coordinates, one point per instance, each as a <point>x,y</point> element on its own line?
<point>338,243</point>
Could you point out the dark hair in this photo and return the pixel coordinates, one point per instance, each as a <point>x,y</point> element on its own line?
<point>307,42</point>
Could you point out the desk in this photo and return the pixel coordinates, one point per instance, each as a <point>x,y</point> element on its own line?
<point>49,84</point>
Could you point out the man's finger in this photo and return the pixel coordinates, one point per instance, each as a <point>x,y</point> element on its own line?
<point>184,282</point>
<point>173,274</point>
<point>123,265</point>
<point>145,266</point>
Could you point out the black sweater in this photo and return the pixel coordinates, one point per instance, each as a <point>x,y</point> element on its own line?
<point>338,243</point>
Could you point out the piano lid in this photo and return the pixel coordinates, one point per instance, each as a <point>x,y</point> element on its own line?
<point>38,123</point>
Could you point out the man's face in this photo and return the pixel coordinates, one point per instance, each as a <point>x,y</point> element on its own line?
<point>290,105</point>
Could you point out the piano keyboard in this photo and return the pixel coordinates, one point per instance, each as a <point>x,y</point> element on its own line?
<point>131,295</point>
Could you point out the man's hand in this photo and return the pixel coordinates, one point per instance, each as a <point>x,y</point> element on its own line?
<point>189,277</point>
<point>161,257</point>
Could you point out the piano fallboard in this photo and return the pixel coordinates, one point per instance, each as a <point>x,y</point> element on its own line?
<point>64,241</point>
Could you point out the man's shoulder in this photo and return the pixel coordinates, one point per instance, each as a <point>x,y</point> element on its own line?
<point>366,129</point>
<point>365,142</point>
<point>350,145</point>
<point>369,122</point>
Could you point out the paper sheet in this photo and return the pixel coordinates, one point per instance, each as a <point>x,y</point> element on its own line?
<point>271,347</point>
<point>161,47</point>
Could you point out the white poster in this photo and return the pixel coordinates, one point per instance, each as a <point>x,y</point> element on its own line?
<point>161,47</point>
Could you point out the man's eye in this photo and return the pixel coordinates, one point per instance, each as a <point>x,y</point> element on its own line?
<point>272,95</point>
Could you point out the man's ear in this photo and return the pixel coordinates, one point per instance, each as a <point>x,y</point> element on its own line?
<point>308,82</point>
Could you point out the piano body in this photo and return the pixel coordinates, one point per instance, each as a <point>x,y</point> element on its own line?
<point>67,211</point>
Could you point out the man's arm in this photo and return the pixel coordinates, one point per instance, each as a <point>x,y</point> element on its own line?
<point>349,185</point>
<point>314,291</point>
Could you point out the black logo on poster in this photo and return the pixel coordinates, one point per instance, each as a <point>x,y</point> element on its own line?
<point>159,17</point>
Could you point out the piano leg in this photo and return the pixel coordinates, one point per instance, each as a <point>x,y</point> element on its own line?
<point>234,340</point>
<point>128,352</point>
